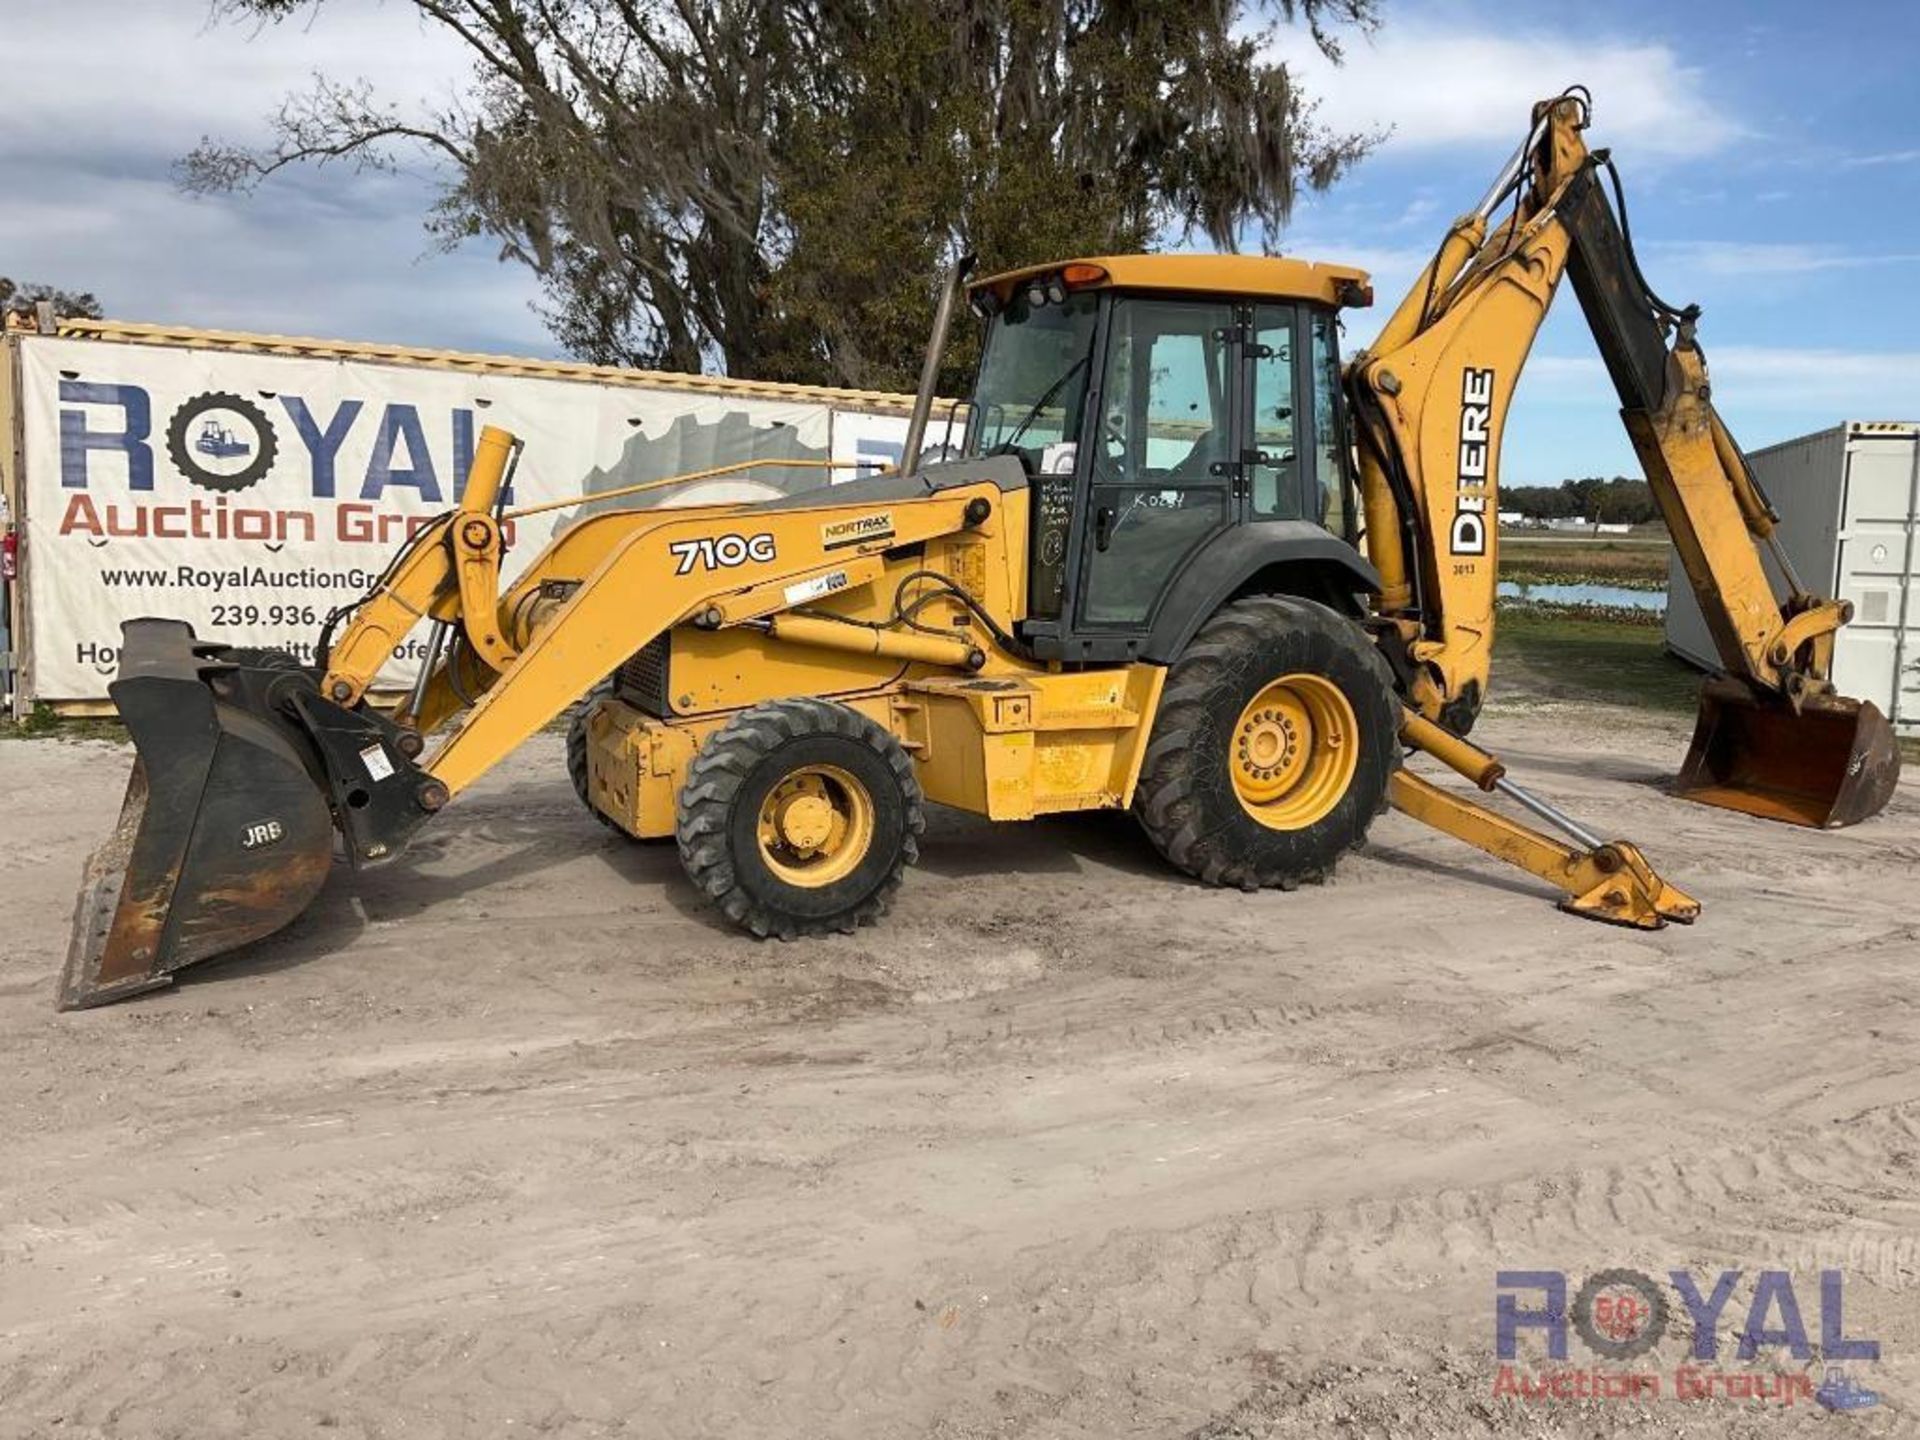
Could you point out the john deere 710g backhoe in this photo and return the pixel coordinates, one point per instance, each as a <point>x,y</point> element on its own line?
<point>1142,586</point>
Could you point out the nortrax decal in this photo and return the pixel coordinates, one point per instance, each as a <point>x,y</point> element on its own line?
<point>1468,535</point>
<point>859,530</point>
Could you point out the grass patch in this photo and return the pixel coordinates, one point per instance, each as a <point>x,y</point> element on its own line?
<point>1542,653</point>
<point>1635,564</point>
<point>1574,576</point>
<point>43,723</point>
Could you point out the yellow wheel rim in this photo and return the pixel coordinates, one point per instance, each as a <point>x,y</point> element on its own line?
<point>1293,752</point>
<point>815,826</point>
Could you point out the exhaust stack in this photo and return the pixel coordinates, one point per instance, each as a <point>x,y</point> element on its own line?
<point>930,366</point>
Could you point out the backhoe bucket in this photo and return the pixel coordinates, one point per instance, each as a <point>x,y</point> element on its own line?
<point>1832,763</point>
<point>224,837</point>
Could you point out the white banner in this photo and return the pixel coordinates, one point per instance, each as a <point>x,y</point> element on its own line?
<point>250,494</point>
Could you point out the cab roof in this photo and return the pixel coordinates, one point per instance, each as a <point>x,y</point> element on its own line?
<point>1253,276</point>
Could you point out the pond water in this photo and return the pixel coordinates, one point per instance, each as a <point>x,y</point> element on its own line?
<point>1615,596</point>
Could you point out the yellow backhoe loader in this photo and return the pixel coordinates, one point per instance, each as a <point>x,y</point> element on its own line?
<point>1141,587</point>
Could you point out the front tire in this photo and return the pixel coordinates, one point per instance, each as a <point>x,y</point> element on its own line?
<point>1273,747</point>
<point>800,818</point>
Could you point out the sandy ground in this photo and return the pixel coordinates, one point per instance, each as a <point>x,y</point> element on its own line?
<point>512,1138</point>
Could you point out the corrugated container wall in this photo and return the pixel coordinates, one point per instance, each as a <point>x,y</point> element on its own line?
<point>1849,503</point>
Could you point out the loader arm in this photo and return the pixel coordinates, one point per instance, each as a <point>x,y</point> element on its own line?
<point>656,576</point>
<point>602,590</point>
<point>1430,400</point>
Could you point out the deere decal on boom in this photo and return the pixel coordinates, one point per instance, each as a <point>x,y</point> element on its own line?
<point>1147,584</point>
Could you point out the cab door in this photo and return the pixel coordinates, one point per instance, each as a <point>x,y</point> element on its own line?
<point>1295,452</point>
<point>1164,475</point>
<point>1275,476</point>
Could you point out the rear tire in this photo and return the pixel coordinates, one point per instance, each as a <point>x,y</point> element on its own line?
<point>1275,740</point>
<point>800,818</point>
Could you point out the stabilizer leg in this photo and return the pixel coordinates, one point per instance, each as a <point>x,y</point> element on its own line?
<point>1601,879</point>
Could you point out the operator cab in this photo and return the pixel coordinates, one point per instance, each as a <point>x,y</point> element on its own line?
<point>1174,413</point>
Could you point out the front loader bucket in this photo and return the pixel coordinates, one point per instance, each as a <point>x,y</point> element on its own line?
<point>1831,763</point>
<point>224,837</point>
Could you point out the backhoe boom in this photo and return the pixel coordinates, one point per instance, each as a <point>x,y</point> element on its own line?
<point>1431,399</point>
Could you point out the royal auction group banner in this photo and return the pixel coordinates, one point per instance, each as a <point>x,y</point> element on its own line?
<point>250,494</point>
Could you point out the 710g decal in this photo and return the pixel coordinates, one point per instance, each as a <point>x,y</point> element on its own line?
<point>721,552</point>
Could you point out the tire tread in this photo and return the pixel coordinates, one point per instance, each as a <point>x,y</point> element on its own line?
<point>715,778</point>
<point>577,756</point>
<point>1170,801</point>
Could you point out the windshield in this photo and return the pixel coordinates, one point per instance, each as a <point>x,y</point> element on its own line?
<point>1033,382</point>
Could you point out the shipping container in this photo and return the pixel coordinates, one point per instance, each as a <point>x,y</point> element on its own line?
<point>1849,503</point>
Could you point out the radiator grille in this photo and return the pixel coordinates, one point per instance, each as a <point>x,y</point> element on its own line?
<point>642,681</point>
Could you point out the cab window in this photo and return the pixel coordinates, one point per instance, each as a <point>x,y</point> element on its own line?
<point>1032,382</point>
<point>1164,395</point>
<point>1160,485</point>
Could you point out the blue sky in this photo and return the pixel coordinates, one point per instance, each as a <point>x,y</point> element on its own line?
<point>1771,153</point>
<point>1770,148</point>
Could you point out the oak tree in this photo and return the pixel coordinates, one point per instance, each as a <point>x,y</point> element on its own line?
<point>772,187</point>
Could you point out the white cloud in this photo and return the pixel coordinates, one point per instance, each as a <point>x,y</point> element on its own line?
<point>1421,210</point>
<point>1753,383</point>
<point>1565,421</point>
<point>1569,374</point>
<point>1885,157</point>
<point>163,73</point>
<point>1860,381</point>
<point>1442,86</point>
<point>95,122</point>
<point>338,259</point>
<point>1742,257</point>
